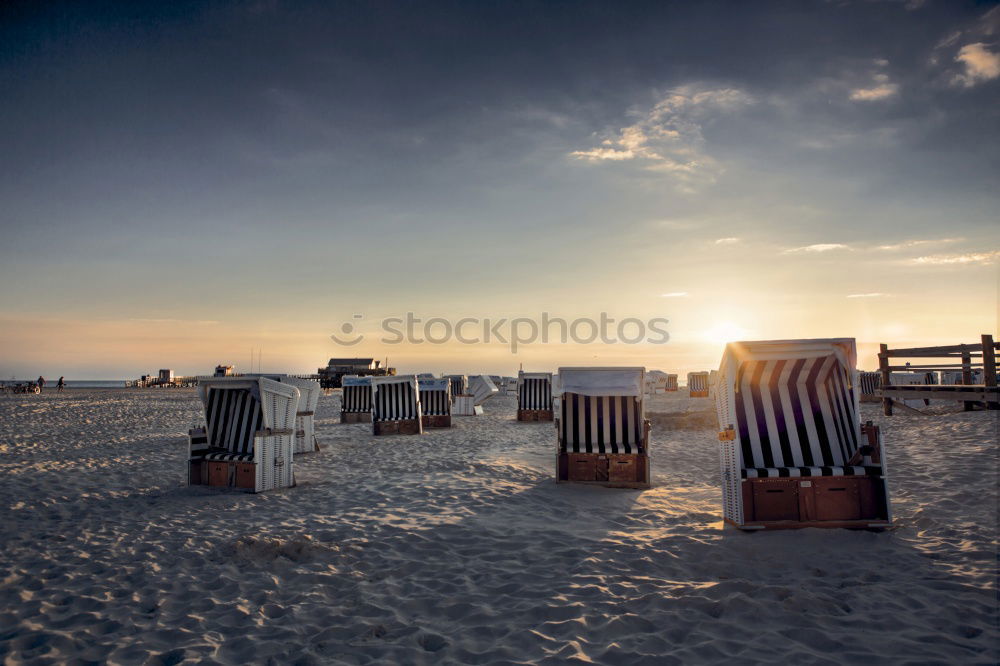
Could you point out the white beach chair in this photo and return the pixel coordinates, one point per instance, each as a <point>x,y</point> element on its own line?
<point>396,405</point>
<point>248,441</point>
<point>602,432</point>
<point>534,396</point>
<point>305,418</point>
<point>480,389</point>
<point>457,384</point>
<point>793,450</point>
<point>435,402</point>
<point>698,384</point>
<point>356,399</point>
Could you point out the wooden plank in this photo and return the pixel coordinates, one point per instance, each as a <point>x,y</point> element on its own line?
<point>989,368</point>
<point>883,367</point>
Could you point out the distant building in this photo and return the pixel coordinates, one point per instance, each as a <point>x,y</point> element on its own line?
<point>166,376</point>
<point>329,377</point>
<point>225,370</point>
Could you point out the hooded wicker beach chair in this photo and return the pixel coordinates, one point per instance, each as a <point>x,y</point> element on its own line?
<point>534,396</point>
<point>479,389</point>
<point>396,405</point>
<point>602,433</point>
<point>869,385</point>
<point>698,384</point>
<point>671,383</point>
<point>793,450</point>
<point>305,418</point>
<point>356,402</point>
<point>435,402</point>
<point>458,383</point>
<point>248,441</point>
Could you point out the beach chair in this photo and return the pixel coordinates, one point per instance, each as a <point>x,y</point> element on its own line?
<point>534,396</point>
<point>248,441</point>
<point>435,402</point>
<point>396,405</point>
<point>480,389</point>
<point>305,429</point>
<point>457,384</point>
<point>794,452</point>
<point>869,385</point>
<point>356,401</point>
<point>671,383</point>
<point>602,432</point>
<point>698,384</point>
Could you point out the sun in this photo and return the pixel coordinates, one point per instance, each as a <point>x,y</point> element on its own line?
<point>724,331</point>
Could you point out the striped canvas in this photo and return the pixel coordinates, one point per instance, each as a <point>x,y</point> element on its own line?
<point>395,401</point>
<point>798,414</point>
<point>869,382</point>
<point>435,397</point>
<point>698,381</point>
<point>534,391</point>
<point>357,398</point>
<point>671,384</point>
<point>457,384</point>
<point>601,424</point>
<point>233,417</point>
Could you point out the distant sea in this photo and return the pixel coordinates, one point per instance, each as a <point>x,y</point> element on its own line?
<point>73,383</point>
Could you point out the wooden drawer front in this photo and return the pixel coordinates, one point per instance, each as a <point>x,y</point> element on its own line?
<point>246,475</point>
<point>775,499</point>
<point>622,467</point>
<point>838,497</point>
<point>218,473</point>
<point>582,467</point>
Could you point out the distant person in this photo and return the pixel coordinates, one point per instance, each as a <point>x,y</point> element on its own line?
<point>41,383</point>
<point>61,385</point>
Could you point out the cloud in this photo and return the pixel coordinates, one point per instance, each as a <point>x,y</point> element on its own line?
<point>983,258</point>
<point>883,88</point>
<point>980,64</point>
<point>675,294</point>
<point>874,294</point>
<point>668,137</point>
<point>727,241</point>
<point>818,247</point>
<point>916,243</point>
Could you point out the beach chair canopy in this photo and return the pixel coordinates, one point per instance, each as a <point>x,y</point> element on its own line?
<point>482,388</point>
<point>357,394</point>
<point>395,398</point>
<point>793,406</point>
<point>435,396</point>
<point>534,390</point>
<point>237,408</point>
<point>601,410</point>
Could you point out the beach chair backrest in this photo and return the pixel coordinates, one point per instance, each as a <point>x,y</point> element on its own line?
<point>698,381</point>
<point>435,396</point>
<point>601,410</point>
<point>457,384</point>
<point>791,403</point>
<point>233,416</point>
<point>671,383</point>
<point>534,390</point>
<point>869,383</point>
<point>395,398</point>
<point>357,394</point>
<point>481,388</point>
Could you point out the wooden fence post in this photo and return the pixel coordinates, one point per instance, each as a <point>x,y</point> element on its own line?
<point>989,367</point>
<point>883,368</point>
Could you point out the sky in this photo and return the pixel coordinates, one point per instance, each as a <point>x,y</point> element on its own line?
<point>186,184</point>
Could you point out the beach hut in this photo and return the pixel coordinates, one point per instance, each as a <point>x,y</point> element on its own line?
<point>534,396</point>
<point>602,433</point>
<point>698,384</point>
<point>356,402</point>
<point>671,384</point>
<point>435,402</point>
<point>480,389</point>
<point>457,384</point>
<point>794,452</point>
<point>396,405</point>
<point>248,441</point>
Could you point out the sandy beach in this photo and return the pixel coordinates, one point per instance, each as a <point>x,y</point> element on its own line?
<point>458,547</point>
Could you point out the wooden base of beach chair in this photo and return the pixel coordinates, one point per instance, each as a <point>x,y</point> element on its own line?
<point>436,420</point>
<point>534,415</point>
<point>614,470</point>
<point>197,473</point>
<point>699,394</point>
<point>404,427</point>
<point>818,501</point>
<point>222,474</point>
<point>355,417</point>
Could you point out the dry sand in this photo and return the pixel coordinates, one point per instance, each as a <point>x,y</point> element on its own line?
<point>458,547</point>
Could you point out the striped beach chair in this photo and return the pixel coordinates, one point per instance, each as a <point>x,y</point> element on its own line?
<point>794,452</point>
<point>602,432</point>
<point>248,441</point>
<point>356,400</point>
<point>534,396</point>
<point>671,383</point>
<point>869,384</point>
<point>698,384</point>
<point>396,405</point>
<point>457,384</point>
<point>435,402</point>
<point>305,429</point>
